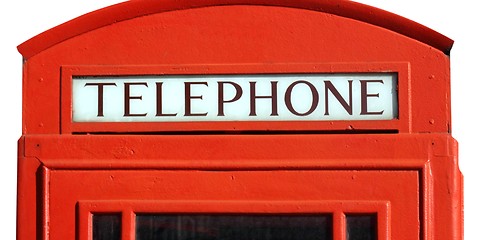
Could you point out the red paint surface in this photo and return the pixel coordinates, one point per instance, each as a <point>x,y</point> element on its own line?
<point>239,39</point>
<point>407,166</point>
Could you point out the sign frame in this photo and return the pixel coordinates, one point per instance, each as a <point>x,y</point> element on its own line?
<point>401,69</point>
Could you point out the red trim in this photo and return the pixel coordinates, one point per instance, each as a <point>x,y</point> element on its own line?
<point>137,8</point>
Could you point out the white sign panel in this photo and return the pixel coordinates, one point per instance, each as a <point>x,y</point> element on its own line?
<point>190,98</point>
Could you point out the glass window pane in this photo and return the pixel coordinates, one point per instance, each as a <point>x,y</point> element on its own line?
<point>106,226</point>
<point>233,227</point>
<point>362,227</point>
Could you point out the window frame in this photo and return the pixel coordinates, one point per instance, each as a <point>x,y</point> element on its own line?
<point>128,210</point>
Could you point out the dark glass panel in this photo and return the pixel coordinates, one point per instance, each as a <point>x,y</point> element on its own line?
<point>233,227</point>
<point>106,226</point>
<point>362,227</point>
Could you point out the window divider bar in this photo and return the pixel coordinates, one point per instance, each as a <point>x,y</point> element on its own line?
<point>339,226</point>
<point>128,224</point>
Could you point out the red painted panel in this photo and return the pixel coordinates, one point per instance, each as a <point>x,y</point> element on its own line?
<point>243,35</point>
<point>286,190</point>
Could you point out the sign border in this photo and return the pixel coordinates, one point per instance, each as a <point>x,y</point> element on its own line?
<point>402,124</point>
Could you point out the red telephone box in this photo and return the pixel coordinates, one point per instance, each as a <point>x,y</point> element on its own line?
<point>244,119</point>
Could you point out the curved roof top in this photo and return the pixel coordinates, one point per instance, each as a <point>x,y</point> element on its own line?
<point>136,8</point>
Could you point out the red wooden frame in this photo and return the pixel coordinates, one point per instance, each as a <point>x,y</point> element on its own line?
<point>128,210</point>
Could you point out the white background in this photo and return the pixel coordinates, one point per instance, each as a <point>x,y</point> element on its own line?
<point>459,20</point>
<point>85,99</point>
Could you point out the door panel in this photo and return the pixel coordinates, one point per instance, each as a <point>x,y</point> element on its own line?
<point>340,194</point>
